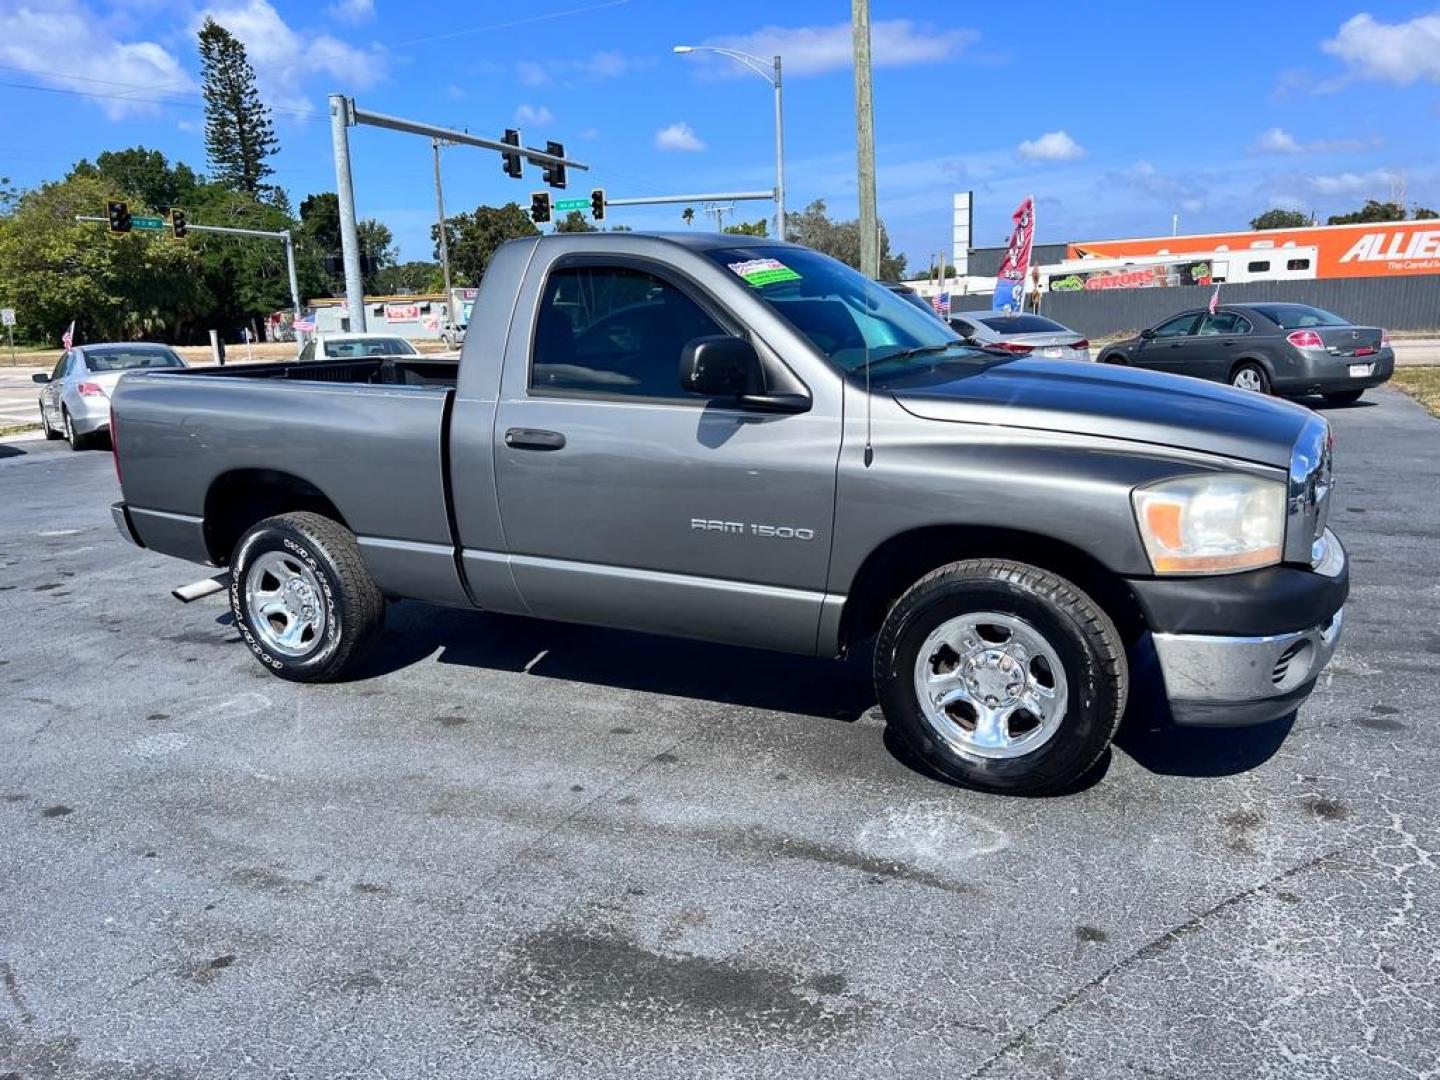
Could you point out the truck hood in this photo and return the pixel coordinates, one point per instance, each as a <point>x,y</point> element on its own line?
<point>1114,402</point>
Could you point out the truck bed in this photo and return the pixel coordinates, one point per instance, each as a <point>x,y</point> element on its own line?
<point>365,370</point>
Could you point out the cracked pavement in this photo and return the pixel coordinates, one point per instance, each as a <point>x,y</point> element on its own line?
<point>521,849</point>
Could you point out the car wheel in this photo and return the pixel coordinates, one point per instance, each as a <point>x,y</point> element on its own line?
<point>302,598</point>
<point>1001,676</point>
<point>50,433</point>
<point>1118,359</point>
<point>73,437</point>
<point>1343,397</point>
<point>1248,376</point>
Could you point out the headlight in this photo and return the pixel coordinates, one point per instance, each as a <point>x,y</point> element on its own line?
<point>1212,524</point>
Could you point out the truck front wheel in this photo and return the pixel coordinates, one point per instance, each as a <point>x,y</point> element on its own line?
<point>1001,676</point>
<point>302,598</point>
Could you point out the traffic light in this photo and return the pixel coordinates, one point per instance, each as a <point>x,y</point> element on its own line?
<point>334,265</point>
<point>511,161</point>
<point>554,174</point>
<point>597,204</point>
<point>178,225</point>
<point>540,207</point>
<point>119,217</point>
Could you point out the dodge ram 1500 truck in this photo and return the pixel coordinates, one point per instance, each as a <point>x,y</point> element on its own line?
<point>748,442</point>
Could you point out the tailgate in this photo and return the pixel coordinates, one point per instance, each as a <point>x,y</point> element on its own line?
<point>1351,340</point>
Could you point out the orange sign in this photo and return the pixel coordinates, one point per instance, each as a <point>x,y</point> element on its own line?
<point>1380,249</point>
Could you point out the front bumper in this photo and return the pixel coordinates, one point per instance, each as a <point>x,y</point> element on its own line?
<point>1229,680</point>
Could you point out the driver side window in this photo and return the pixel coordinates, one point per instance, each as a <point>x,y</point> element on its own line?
<point>616,331</point>
<point>1176,327</point>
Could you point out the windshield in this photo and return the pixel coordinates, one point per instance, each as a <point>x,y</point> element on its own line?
<point>128,358</point>
<point>390,346</point>
<point>1299,316</point>
<point>846,316</point>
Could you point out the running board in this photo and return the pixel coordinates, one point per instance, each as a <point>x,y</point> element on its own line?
<point>200,589</point>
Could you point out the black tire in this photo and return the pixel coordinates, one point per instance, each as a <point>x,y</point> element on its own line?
<point>1343,397</point>
<point>70,435</point>
<point>1084,638</point>
<point>50,433</point>
<point>1259,372</point>
<point>1118,359</point>
<point>353,604</point>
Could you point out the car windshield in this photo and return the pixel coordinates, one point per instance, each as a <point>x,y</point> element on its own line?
<point>130,357</point>
<point>850,319</point>
<point>1022,324</point>
<point>390,346</point>
<point>1299,316</point>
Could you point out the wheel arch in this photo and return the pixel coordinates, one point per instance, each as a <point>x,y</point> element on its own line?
<point>1260,360</point>
<point>237,499</point>
<point>901,560</point>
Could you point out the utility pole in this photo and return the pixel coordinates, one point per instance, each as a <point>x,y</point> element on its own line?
<point>865,139</point>
<point>345,193</point>
<point>444,237</point>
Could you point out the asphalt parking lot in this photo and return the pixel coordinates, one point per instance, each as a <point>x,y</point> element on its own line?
<point>522,849</point>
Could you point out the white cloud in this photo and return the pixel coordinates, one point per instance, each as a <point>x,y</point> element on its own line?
<point>122,77</point>
<point>533,114</point>
<point>285,59</point>
<point>532,73</point>
<point>1052,146</point>
<point>1176,192</point>
<point>1277,140</point>
<point>678,136</point>
<point>811,50</point>
<point>1400,53</point>
<point>352,11</point>
<point>1374,182</point>
<point>596,67</point>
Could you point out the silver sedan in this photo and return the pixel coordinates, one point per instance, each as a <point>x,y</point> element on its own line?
<point>75,401</point>
<point>1022,334</point>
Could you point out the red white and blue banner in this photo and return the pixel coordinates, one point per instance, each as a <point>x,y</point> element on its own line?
<point>1010,282</point>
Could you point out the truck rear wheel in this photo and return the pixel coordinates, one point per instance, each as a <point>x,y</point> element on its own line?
<point>1001,676</point>
<point>302,598</point>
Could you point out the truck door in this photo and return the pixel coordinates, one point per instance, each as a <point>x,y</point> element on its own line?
<point>627,501</point>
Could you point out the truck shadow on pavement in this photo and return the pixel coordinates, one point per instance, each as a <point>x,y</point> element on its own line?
<point>759,679</point>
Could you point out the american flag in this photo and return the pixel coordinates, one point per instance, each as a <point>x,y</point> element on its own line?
<point>1215,299</point>
<point>67,339</point>
<point>305,324</point>
<point>941,303</point>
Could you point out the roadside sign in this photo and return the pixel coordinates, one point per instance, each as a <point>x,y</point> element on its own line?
<point>565,205</point>
<point>153,223</point>
<point>7,316</point>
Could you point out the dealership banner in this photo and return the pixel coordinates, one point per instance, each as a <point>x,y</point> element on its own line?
<point>1159,275</point>
<point>1010,282</point>
<point>402,312</point>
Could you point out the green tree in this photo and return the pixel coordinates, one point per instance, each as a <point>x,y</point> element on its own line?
<point>376,242</point>
<point>1424,213</point>
<point>410,277</point>
<point>239,137</point>
<point>748,228</point>
<point>574,222</point>
<point>814,228</point>
<point>1276,218</point>
<point>473,237</point>
<point>320,236</point>
<point>1372,211</point>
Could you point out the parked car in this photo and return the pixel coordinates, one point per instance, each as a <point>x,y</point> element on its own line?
<point>782,455</point>
<point>910,296</point>
<point>75,401</point>
<point>348,346</point>
<point>1271,348</point>
<point>1022,334</point>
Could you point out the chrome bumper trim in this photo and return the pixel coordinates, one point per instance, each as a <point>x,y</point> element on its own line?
<point>1201,668</point>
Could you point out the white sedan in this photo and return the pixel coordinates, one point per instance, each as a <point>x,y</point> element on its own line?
<point>354,346</point>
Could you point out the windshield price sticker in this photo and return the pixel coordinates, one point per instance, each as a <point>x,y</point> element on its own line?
<point>758,272</point>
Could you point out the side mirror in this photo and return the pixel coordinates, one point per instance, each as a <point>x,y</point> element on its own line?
<point>1147,334</point>
<point>720,366</point>
<point>40,377</point>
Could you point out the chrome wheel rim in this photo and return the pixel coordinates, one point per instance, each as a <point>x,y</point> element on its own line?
<point>1246,379</point>
<point>990,685</point>
<point>69,429</point>
<point>284,604</point>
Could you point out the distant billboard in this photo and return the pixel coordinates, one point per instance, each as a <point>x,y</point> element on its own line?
<point>1154,276</point>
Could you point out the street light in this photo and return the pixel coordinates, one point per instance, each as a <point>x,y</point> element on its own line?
<point>770,73</point>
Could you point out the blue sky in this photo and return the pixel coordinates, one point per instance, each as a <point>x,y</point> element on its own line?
<point>1114,114</point>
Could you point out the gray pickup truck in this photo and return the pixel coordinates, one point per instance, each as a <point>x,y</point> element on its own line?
<point>748,442</point>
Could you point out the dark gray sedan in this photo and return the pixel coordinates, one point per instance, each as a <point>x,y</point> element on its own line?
<point>1272,348</point>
